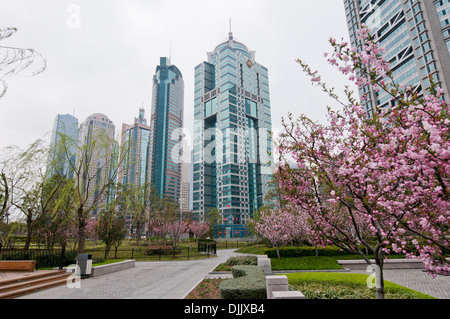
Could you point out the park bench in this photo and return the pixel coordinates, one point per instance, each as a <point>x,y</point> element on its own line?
<point>17,265</point>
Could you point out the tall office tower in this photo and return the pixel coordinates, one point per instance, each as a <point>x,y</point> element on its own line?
<point>134,170</point>
<point>185,185</point>
<point>96,160</point>
<point>232,121</point>
<point>135,156</point>
<point>167,130</point>
<point>63,146</point>
<point>416,37</point>
<point>184,195</point>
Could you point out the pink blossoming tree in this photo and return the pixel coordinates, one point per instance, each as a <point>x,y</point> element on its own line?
<point>373,182</point>
<point>280,227</point>
<point>199,229</point>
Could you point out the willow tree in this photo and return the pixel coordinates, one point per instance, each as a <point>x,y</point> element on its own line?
<point>14,60</point>
<point>93,177</point>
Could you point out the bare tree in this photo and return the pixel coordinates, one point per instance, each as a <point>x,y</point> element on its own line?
<point>13,60</point>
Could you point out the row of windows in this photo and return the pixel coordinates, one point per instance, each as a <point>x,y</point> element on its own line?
<point>441,3</point>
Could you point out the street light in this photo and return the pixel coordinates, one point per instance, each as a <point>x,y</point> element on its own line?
<point>255,202</point>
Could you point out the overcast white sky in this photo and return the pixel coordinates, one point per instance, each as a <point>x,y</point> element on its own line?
<point>106,63</point>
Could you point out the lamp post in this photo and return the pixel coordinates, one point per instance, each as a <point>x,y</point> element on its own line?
<point>255,202</point>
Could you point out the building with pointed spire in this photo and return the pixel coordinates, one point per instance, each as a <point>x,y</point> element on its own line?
<point>232,120</point>
<point>135,157</point>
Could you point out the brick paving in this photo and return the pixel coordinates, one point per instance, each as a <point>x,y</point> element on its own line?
<point>419,280</point>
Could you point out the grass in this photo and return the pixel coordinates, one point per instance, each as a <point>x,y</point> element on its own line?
<point>318,285</point>
<point>107,262</point>
<point>346,286</point>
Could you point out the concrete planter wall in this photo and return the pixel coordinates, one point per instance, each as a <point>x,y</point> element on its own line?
<point>109,268</point>
<point>391,264</point>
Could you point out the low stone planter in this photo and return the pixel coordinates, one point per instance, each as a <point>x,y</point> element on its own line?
<point>391,264</point>
<point>109,268</point>
<point>106,269</point>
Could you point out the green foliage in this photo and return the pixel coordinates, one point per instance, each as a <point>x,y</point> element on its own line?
<point>307,263</point>
<point>346,286</point>
<point>249,282</point>
<point>304,251</point>
<point>48,259</point>
<point>242,260</point>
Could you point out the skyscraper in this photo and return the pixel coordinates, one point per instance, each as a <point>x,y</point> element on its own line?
<point>97,160</point>
<point>416,37</point>
<point>63,145</point>
<point>135,157</point>
<point>167,130</point>
<point>232,121</point>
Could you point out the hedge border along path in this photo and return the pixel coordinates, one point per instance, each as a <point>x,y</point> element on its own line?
<point>249,282</point>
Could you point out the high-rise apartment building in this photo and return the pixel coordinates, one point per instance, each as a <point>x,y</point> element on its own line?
<point>232,120</point>
<point>135,157</point>
<point>416,37</point>
<point>63,145</point>
<point>96,161</point>
<point>167,130</point>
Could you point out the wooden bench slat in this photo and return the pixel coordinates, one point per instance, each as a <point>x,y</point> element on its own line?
<point>18,265</point>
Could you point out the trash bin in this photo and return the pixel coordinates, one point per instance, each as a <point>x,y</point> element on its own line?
<point>84,262</point>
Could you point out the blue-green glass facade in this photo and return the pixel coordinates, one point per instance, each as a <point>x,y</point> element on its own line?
<point>135,161</point>
<point>413,33</point>
<point>62,157</point>
<point>166,129</point>
<point>232,121</point>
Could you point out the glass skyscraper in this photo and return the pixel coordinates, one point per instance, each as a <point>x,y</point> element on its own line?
<point>135,146</point>
<point>63,145</point>
<point>167,130</point>
<point>416,37</point>
<point>232,121</point>
<point>97,160</point>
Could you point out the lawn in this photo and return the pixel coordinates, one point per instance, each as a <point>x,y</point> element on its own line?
<point>322,285</point>
<point>316,285</point>
<point>346,286</point>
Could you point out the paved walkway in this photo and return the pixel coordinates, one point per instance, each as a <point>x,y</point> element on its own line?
<point>419,280</point>
<point>148,280</point>
<point>175,279</point>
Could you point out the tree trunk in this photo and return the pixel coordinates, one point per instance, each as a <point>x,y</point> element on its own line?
<point>29,231</point>
<point>81,232</point>
<point>278,252</point>
<point>379,279</point>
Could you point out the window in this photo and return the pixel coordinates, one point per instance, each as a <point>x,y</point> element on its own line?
<point>208,108</point>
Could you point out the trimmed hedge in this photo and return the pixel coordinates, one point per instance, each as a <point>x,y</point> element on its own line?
<point>242,260</point>
<point>305,251</point>
<point>249,282</point>
<point>44,260</point>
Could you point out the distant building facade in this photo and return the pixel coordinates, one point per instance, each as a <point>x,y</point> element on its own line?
<point>416,37</point>
<point>97,158</point>
<point>63,146</point>
<point>135,157</point>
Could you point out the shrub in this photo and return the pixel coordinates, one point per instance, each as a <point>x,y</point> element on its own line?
<point>242,260</point>
<point>161,250</point>
<point>47,259</point>
<point>304,251</point>
<point>249,282</point>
